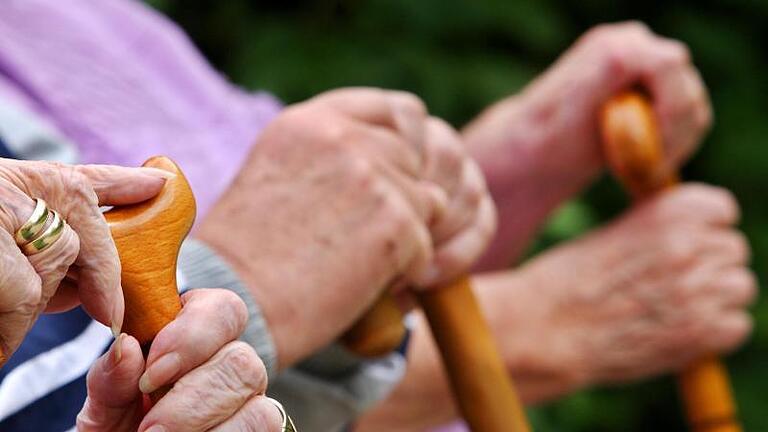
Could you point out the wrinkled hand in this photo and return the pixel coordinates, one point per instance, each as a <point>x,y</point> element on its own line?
<point>665,284</point>
<point>218,382</point>
<point>343,195</point>
<point>542,146</point>
<point>30,285</point>
<point>610,58</point>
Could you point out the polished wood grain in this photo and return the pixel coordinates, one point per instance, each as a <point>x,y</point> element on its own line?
<point>148,237</point>
<point>635,152</point>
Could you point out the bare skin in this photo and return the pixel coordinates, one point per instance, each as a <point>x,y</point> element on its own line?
<point>541,147</point>
<point>32,284</point>
<point>219,382</point>
<point>672,271</point>
<point>344,195</point>
<point>636,288</point>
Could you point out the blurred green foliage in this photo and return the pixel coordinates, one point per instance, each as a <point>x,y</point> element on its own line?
<point>462,55</point>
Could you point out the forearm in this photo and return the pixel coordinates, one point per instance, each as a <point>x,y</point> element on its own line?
<point>541,370</point>
<point>529,165</point>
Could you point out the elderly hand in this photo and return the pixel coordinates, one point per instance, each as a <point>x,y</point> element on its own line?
<point>343,195</point>
<point>542,146</point>
<point>567,97</point>
<point>31,284</point>
<point>218,382</point>
<point>663,285</point>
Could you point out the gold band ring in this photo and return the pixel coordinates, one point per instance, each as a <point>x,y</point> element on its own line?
<point>287,425</point>
<point>32,227</point>
<point>47,238</point>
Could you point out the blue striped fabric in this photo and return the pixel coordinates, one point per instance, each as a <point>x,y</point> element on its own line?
<point>56,412</point>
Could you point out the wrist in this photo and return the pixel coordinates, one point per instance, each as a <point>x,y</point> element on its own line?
<point>259,287</point>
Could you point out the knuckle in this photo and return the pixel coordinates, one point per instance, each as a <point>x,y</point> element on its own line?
<point>360,173</point>
<point>607,33</point>
<point>736,335</point>
<point>726,200</point>
<point>747,291</point>
<point>702,116</point>
<point>678,246</point>
<point>634,27</point>
<point>407,102</point>
<point>740,246</point>
<point>257,419</point>
<point>679,52</point>
<point>233,305</point>
<point>244,366</point>
<point>398,216</point>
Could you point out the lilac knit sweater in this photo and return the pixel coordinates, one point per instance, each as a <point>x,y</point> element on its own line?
<point>124,83</point>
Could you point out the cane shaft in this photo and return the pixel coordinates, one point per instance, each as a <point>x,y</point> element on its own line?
<point>148,236</point>
<point>635,152</point>
<point>480,381</point>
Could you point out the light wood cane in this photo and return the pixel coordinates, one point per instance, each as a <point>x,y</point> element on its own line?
<point>634,150</point>
<point>148,237</point>
<point>481,385</point>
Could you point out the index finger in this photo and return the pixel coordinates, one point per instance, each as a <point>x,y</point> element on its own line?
<point>209,319</point>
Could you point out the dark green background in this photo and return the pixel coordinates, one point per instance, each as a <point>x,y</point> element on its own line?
<point>459,56</point>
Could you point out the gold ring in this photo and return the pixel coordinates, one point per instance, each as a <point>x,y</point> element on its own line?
<point>34,224</point>
<point>287,425</point>
<point>47,238</point>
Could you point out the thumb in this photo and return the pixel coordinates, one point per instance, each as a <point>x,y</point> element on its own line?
<point>116,185</point>
<point>114,402</point>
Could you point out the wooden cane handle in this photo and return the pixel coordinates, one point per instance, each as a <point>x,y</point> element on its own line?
<point>148,236</point>
<point>635,153</point>
<point>379,331</point>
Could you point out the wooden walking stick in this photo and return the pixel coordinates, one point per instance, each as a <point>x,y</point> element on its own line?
<point>635,153</point>
<point>148,236</point>
<point>481,385</point>
<point>480,382</point>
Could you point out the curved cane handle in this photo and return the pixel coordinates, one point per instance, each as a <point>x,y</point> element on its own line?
<point>634,149</point>
<point>379,331</point>
<point>148,236</point>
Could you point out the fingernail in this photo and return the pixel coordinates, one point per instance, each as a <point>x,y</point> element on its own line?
<point>116,352</point>
<point>154,172</point>
<point>118,313</point>
<point>116,329</point>
<point>160,372</point>
<point>156,428</point>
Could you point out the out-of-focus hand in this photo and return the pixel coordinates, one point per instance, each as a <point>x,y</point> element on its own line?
<point>562,104</point>
<point>665,284</point>
<point>30,285</point>
<point>342,196</point>
<point>657,288</point>
<point>218,382</point>
<point>540,147</point>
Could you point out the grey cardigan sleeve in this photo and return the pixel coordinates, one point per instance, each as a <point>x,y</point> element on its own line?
<point>324,393</point>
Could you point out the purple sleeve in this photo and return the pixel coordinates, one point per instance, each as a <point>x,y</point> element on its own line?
<point>125,83</point>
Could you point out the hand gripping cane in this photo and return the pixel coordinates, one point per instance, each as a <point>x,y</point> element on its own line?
<point>635,153</point>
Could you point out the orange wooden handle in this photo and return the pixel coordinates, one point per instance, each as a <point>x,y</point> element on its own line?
<point>379,331</point>
<point>148,237</point>
<point>635,153</point>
